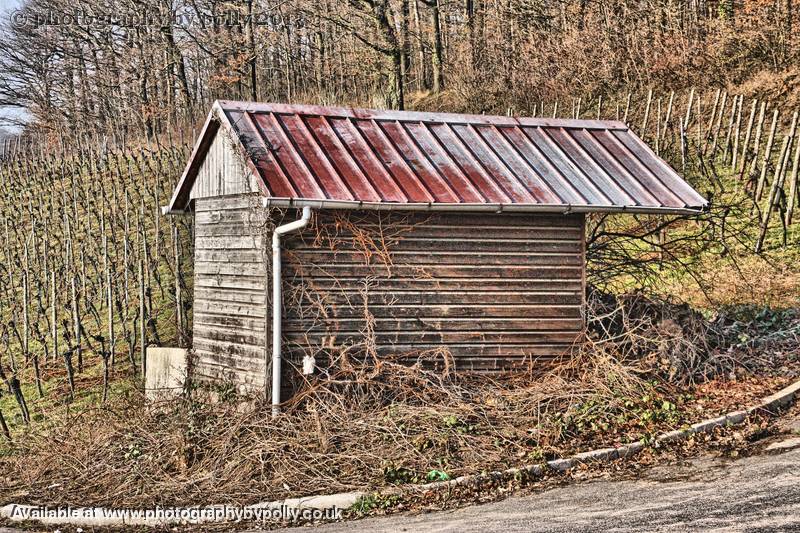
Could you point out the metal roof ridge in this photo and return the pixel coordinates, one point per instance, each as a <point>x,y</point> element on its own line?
<point>363,113</point>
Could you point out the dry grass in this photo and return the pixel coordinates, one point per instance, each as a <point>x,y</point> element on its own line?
<point>758,280</point>
<point>373,422</point>
<point>365,426</point>
<point>370,424</point>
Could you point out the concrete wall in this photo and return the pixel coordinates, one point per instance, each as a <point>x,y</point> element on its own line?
<point>166,372</point>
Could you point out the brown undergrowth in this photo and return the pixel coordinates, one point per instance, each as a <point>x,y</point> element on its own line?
<point>372,423</point>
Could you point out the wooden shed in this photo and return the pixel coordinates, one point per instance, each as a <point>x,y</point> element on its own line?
<point>456,234</point>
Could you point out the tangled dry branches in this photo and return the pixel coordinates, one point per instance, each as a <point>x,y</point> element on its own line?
<point>372,423</point>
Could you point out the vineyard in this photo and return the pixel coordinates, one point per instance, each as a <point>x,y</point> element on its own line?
<point>93,273</point>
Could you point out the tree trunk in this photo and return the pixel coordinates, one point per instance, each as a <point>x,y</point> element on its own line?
<point>4,427</point>
<point>397,98</point>
<point>251,43</point>
<point>422,70</point>
<point>405,41</point>
<point>438,67</point>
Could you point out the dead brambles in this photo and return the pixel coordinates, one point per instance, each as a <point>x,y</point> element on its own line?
<point>366,424</point>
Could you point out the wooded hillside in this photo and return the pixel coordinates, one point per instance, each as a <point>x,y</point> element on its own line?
<point>82,65</point>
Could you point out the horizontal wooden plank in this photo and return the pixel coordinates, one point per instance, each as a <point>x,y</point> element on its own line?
<point>232,281</point>
<point>243,388</point>
<point>245,296</point>
<point>475,351</point>
<point>302,259</point>
<point>231,230</point>
<point>465,246</point>
<point>251,338</point>
<point>233,201</point>
<point>355,325</point>
<point>427,297</point>
<point>243,351</point>
<point>230,269</point>
<point>440,284</point>
<point>208,369</point>
<point>214,356</point>
<point>230,309</point>
<point>413,338</point>
<point>251,369</point>
<point>243,242</point>
<point>239,216</point>
<point>244,366</point>
<point>434,271</point>
<point>484,351</point>
<point>261,257</point>
<point>203,318</point>
<point>538,363</point>
<point>442,311</point>
<point>336,232</point>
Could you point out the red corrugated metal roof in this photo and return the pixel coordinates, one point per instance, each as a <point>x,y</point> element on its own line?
<point>344,157</point>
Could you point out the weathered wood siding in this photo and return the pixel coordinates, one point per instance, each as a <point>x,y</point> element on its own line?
<point>223,172</point>
<point>496,290</point>
<point>230,292</point>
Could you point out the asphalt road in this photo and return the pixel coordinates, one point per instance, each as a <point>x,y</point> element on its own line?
<point>757,493</point>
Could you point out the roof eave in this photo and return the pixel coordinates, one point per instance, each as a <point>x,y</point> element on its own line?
<point>481,208</point>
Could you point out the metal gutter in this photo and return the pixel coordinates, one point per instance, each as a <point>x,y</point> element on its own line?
<point>277,302</point>
<point>479,208</point>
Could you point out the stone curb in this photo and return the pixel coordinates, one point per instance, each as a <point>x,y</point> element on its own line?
<point>98,516</point>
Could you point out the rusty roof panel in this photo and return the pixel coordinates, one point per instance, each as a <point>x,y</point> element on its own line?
<point>378,159</point>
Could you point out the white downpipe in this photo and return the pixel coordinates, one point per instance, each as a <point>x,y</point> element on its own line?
<point>277,303</point>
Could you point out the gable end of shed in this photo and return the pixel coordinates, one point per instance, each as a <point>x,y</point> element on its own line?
<point>223,171</point>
